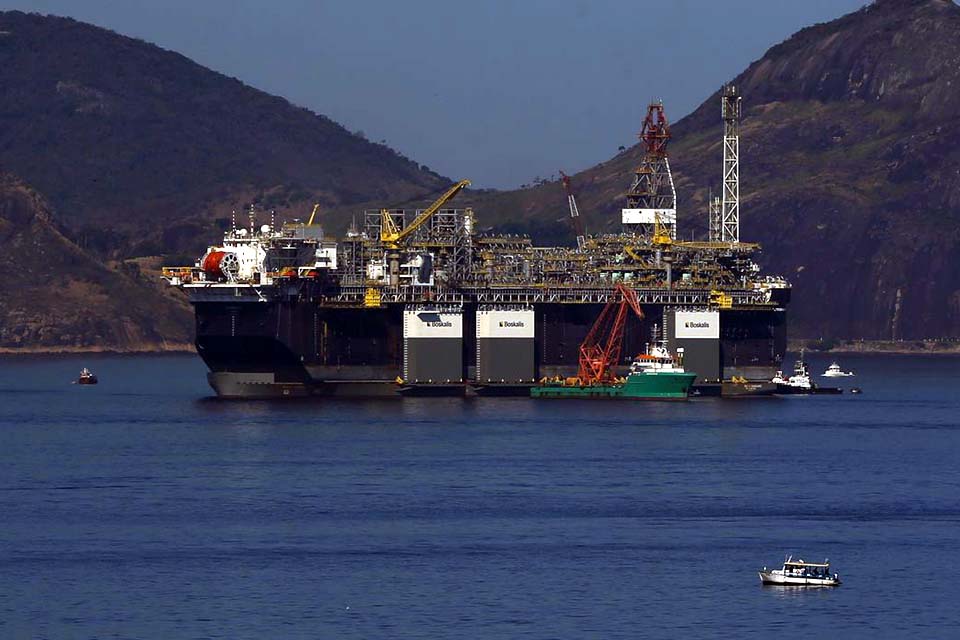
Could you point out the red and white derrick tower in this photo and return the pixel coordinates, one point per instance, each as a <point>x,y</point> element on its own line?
<point>652,200</point>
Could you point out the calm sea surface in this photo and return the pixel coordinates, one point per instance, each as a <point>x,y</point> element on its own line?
<point>140,508</point>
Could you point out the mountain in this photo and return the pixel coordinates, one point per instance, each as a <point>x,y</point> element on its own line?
<point>141,150</point>
<point>850,151</point>
<point>57,297</point>
<point>849,155</point>
<point>115,152</point>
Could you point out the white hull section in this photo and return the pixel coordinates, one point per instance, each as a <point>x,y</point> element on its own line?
<point>777,578</point>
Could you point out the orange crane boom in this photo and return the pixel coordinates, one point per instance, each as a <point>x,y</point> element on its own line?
<point>600,350</point>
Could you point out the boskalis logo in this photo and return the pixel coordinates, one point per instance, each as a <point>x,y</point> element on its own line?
<point>511,323</point>
<point>440,323</point>
<point>696,325</point>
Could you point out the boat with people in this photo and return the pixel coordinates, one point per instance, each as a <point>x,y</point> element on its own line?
<point>87,377</point>
<point>834,371</point>
<point>798,573</point>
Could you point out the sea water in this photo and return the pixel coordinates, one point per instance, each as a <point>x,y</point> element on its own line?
<point>142,508</point>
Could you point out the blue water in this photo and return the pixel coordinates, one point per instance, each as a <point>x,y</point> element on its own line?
<point>140,508</point>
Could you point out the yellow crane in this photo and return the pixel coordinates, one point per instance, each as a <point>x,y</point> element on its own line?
<point>313,214</point>
<point>661,233</point>
<point>393,238</point>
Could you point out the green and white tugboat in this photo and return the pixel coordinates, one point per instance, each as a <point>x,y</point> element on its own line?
<point>654,375</point>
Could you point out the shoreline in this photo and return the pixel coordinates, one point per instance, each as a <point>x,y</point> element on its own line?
<point>873,347</point>
<point>162,349</point>
<point>906,347</point>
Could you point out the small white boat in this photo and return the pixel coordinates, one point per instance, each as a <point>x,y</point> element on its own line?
<point>797,573</point>
<point>834,371</point>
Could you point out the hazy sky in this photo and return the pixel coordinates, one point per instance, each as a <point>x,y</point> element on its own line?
<point>497,91</point>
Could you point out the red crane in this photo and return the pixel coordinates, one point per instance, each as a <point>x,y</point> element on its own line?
<point>600,350</point>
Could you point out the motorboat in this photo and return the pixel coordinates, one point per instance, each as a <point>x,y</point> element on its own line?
<point>798,573</point>
<point>87,377</point>
<point>834,371</point>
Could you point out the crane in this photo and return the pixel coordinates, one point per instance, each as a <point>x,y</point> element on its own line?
<point>661,232</point>
<point>574,212</point>
<point>391,235</point>
<point>600,350</point>
<point>313,214</point>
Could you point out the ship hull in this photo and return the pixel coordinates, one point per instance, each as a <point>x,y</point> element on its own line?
<point>790,390</point>
<point>657,386</point>
<point>772,578</point>
<point>296,347</point>
<point>241,385</point>
<point>748,389</point>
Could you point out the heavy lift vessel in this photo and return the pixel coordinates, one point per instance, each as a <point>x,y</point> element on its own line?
<point>420,303</point>
<point>655,375</point>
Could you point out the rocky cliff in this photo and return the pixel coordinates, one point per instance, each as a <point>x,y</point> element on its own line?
<point>54,296</point>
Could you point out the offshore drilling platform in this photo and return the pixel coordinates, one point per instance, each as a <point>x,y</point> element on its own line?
<point>418,302</point>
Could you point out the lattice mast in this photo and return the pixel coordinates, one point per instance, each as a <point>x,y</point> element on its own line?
<point>715,219</point>
<point>730,206</point>
<point>652,201</point>
<point>575,218</point>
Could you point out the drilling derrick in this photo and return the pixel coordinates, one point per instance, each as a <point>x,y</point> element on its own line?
<point>651,201</point>
<point>730,206</point>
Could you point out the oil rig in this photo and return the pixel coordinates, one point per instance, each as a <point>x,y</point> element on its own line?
<point>419,302</point>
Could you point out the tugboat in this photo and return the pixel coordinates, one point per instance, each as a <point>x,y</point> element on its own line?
<point>87,377</point>
<point>800,382</point>
<point>834,371</point>
<point>797,573</point>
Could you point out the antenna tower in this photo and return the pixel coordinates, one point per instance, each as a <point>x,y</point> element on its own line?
<point>730,207</point>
